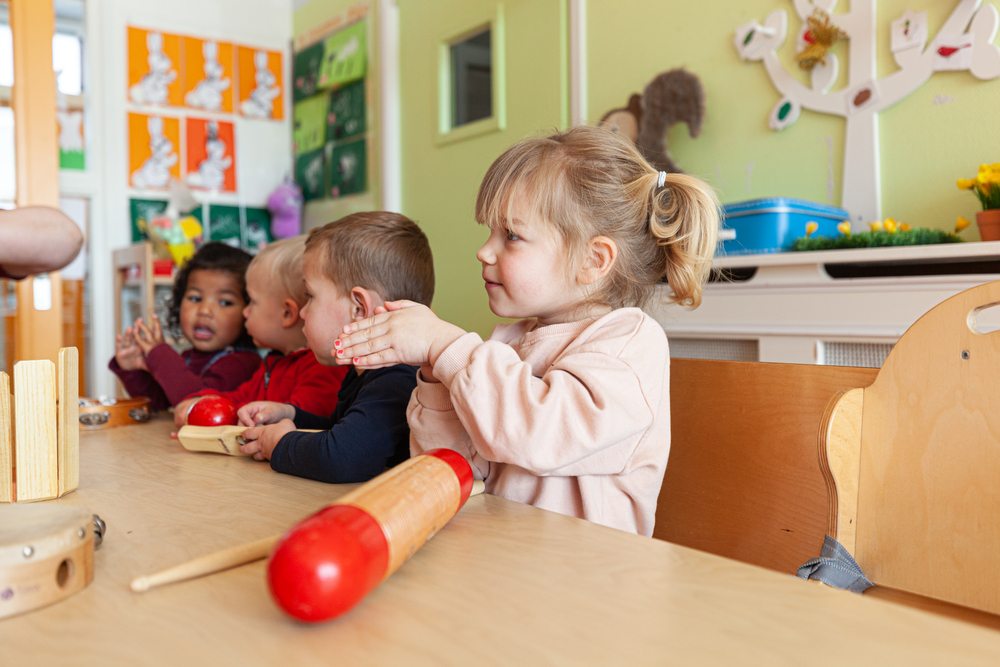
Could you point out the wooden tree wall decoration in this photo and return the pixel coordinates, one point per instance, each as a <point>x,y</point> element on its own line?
<point>964,42</point>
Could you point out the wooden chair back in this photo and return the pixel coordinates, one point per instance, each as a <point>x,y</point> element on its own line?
<point>743,479</point>
<point>913,460</point>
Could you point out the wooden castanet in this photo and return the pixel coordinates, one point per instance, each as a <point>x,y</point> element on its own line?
<point>46,555</point>
<point>327,564</point>
<point>216,439</point>
<point>123,412</point>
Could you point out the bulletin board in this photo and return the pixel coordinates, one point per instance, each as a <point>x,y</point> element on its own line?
<point>184,95</point>
<point>330,114</point>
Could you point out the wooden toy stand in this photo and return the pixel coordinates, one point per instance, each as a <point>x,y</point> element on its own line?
<point>39,433</point>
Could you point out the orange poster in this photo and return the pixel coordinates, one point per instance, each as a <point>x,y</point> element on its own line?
<point>154,63</point>
<point>154,142</point>
<point>208,74</point>
<point>211,155</point>
<point>260,90</point>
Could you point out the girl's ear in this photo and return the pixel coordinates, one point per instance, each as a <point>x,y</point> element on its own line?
<point>362,304</point>
<point>289,313</point>
<point>598,258</point>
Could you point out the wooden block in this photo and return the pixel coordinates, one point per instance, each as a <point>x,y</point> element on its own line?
<point>35,442</point>
<point>68,429</point>
<point>6,453</point>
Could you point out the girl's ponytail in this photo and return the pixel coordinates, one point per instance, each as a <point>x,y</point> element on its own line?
<point>684,223</point>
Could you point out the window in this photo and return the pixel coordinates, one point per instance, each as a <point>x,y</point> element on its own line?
<point>471,80</point>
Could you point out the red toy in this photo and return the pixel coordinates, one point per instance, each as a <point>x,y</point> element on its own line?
<point>330,561</point>
<point>213,411</point>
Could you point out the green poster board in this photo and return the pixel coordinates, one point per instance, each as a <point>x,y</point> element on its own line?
<point>346,116</point>
<point>224,225</point>
<point>309,174</point>
<point>309,124</point>
<point>305,71</point>
<point>258,228</point>
<point>145,209</point>
<point>348,167</point>
<point>345,55</point>
<point>148,209</point>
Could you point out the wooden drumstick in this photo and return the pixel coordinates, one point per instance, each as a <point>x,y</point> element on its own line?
<point>226,559</point>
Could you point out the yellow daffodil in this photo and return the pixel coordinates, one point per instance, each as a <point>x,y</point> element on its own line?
<point>961,224</point>
<point>966,183</point>
<point>875,226</point>
<point>844,228</point>
<point>890,225</point>
<point>811,228</point>
<point>903,227</point>
<point>985,169</point>
<point>995,166</point>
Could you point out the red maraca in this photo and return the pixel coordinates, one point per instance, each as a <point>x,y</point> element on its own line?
<point>330,561</point>
<point>213,411</point>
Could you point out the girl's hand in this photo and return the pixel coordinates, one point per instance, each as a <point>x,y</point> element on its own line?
<point>403,332</point>
<point>261,440</point>
<point>148,337</point>
<point>128,354</point>
<point>264,412</point>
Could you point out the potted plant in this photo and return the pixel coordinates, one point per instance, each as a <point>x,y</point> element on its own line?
<point>986,185</point>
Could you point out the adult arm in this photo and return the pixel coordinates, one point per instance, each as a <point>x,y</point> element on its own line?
<point>36,239</point>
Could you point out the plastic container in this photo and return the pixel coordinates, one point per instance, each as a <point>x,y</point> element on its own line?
<point>771,225</point>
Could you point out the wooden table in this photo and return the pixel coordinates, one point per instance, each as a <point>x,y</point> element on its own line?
<point>502,584</point>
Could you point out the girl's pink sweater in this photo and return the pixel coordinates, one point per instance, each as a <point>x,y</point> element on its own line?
<point>573,418</point>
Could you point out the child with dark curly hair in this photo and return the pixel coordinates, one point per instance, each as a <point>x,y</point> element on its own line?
<point>206,308</point>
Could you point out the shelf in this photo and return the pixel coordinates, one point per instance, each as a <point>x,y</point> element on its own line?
<point>943,252</point>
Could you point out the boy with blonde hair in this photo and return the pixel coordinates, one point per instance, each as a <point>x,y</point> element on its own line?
<point>290,374</point>
<point>351,268</point>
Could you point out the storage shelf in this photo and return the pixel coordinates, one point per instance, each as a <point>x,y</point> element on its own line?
<point>942,252</point>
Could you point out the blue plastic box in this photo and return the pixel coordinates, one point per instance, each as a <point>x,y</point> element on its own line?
<point>771,225</point>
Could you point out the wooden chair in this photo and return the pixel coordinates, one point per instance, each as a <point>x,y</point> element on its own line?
<point>743,480</point>
<point>913,460</point>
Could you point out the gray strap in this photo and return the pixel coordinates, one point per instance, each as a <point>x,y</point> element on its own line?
<point>835,567</point>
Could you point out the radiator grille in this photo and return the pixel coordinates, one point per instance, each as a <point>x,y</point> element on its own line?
<point>868,355</point>
<point>708,348</point>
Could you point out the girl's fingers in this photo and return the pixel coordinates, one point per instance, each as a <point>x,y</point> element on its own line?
<point>366,323</point>
<point>364,348</point>
<point>387,357</point>
<point>361,337</point>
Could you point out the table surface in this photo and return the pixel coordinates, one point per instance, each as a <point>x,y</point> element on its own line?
<point>503,583</point>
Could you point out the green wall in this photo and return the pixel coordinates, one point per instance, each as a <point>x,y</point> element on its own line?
<point>925,146</point>
<point>440,180</point>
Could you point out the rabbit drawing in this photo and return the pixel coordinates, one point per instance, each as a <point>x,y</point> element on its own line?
<point>155,170</point>
<point>211,173</point>
<point>207,94</point>
<point>260,103</point>
<point>152,88</point>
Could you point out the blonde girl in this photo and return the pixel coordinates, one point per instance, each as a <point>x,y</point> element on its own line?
<point>567,409</point>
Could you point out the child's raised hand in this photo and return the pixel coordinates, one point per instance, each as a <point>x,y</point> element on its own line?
<point>261,440</point>
<point>264,412</point>
<point>128,354</point>
<point>148,337</point>
<point>403,332</point>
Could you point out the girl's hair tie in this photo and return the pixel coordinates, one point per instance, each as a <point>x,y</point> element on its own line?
<point>662,179</point>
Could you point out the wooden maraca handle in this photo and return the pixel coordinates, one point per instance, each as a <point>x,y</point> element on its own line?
<point>216,439</point>
<point>224,560</point>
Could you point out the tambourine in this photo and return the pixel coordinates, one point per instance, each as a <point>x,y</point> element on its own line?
<point>108,413</point>
<point>46,554</point>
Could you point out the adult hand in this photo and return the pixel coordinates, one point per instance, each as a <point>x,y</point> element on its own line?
<point>148,337</point>
<point>403,332</point>
<point>128,353</point>
<point>264,412</point>
<point>261,440</point>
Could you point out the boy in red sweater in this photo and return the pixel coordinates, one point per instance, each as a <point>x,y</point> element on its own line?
<point>290,373</point>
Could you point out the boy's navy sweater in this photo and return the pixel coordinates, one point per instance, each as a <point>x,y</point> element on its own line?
<point>366,434</point>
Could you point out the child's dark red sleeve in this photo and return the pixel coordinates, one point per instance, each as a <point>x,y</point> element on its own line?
<point>179,381</point>
<point>316,386</point>
<point>141,383</point>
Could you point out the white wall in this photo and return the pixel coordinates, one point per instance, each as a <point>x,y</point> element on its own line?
<point>263,149</point>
